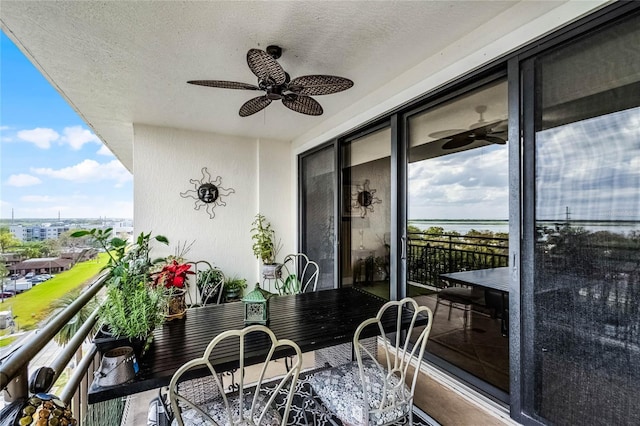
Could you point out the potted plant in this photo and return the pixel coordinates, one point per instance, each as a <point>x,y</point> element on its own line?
<point>210,282</point>
<point>265,246</point>
<point>133,307</point>
<point>172,277</point>
<point>233,287</point>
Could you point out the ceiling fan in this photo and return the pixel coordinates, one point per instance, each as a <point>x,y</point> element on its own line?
<point>492,132</point>
<point>295,94</point>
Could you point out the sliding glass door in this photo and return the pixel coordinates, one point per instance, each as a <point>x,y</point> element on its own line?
<point>457,193</point>
<point>585,242</point>
<point>365,232</point>
<point>317,211</point>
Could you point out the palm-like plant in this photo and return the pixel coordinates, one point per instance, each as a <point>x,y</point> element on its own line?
<point>71,328</point>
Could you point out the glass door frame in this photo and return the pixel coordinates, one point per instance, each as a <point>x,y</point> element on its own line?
<point>437,99</point>
<point>301,225</point>
<point>341,142</point>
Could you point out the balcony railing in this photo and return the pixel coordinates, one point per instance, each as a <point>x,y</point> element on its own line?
<point>17,381</point>
<point>430,255</point>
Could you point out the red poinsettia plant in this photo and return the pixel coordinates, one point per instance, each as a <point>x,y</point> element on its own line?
<point>173,275</point>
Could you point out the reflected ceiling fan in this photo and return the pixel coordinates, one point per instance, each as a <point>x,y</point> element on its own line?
<point>492,132</point>
<point>277,85</point>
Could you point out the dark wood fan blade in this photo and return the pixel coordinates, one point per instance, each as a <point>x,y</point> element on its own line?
<point>500,127</point>
<point>302,104</point>
<point>265,67</point>
<point>254,105</point>
<point>458,141</point>
<point>314,85</point>
<point>224,84</point>
<point>494,139</point>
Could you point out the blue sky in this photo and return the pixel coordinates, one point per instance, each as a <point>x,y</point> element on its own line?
<point>51,162</point>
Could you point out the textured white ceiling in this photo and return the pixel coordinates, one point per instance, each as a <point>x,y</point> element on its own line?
<point>125,62</point>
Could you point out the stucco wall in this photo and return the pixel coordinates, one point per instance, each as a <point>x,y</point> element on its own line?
<point>166,159</point>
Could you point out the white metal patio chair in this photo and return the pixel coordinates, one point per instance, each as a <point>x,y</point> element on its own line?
<point>249,405</point>
<point>299,274</point>
<point>366,392</point>
<point>209,284</point>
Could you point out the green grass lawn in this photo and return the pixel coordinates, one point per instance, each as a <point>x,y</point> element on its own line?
<point>34,305</point>
<point>7,341</point>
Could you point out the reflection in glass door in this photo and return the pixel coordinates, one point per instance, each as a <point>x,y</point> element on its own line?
<point>317,198</point>
<point>457,232</point>
<point>585,294</point>
<point>366,212</point>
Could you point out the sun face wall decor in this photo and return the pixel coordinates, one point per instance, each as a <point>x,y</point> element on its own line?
<point>363,198</point>
<point>207,193</point>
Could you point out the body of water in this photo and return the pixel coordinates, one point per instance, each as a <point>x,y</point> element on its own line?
<point>464,226</point>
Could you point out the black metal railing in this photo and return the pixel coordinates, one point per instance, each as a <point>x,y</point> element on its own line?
<point>429,255</point>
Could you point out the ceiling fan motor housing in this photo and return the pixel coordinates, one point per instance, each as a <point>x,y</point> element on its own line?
<point>274,51</point>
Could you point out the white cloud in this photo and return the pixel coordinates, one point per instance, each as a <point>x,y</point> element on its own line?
<point>77,136</point>
<point>104,151</point>
<point>89,171</point>
<point>22,180</point>
<point>4,128</point>
<point>70,207</point>
<point>40,137</point>
<point>38,199</point>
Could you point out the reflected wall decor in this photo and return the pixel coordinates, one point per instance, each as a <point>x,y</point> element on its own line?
<point>361,199</point>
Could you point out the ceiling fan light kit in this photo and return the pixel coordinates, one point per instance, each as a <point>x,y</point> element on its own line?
<point>277,84</point>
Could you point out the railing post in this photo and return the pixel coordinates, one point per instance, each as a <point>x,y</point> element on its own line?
<point>450,268</point>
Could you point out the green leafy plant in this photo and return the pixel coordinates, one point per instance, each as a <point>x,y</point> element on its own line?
<point>208,277</point>
<point>264,246</point>
<point>235,285</point>
<point>133,307</point>
<point>71,328</point>
<point>210,283</point>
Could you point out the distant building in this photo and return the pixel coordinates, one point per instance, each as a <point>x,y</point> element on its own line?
<point>11,258</point>
<point>52,231</point>
<point>48,265</point>
<point>45,231</point>
<point>51,265</point>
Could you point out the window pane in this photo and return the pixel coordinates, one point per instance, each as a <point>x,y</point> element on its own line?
<point>587,210</point>
<point>318,206</point>
<point>366,216</point>
<point>458,231</point>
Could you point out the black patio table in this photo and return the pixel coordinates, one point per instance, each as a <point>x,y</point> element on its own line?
<point>312,320</point>
<point>492,280</point>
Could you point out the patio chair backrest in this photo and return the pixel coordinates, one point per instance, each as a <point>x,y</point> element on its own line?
<point>252,402</point>
<point>211,291</point>
<point>299,274</point>
<point>399,349</point>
